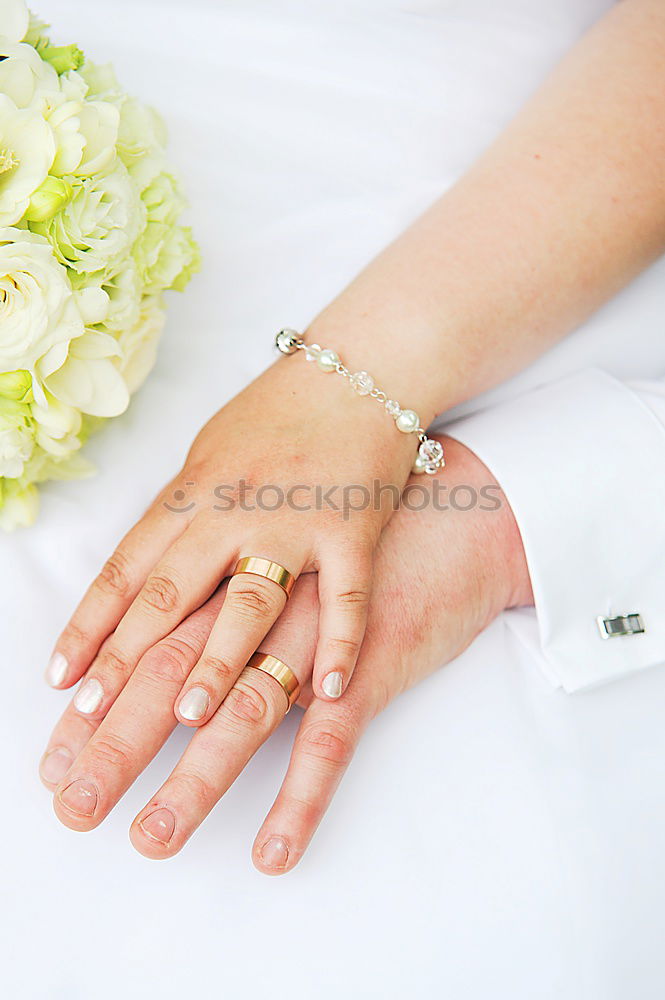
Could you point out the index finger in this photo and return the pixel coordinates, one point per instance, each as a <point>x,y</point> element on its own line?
<point>112,591</point>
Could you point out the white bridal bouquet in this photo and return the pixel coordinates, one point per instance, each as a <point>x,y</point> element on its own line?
<point>89,241</point>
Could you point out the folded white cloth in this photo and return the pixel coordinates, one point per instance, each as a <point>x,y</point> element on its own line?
<point>582,463</point>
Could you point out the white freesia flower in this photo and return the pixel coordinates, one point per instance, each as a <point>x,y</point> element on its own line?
<point>38,312</point>
<point>95,232</point>
<point>27,149</point>
<point>16,446</point>
<point>16,438</point>
<point>88,379</point>
<point>14,19</point>
<point>56,426</point>
<point>139,344</point>
<point>19,504</point>
<point>24,77</point>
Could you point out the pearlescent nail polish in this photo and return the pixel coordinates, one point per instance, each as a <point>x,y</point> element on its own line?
<point>89,697</point>
<point>56,670</point>
<point>332,684</point>
<point>194,704</point>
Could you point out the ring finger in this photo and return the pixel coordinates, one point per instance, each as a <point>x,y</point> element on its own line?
<point>252,605</point>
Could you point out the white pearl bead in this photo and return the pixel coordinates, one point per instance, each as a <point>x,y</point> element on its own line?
<point>327,360</point>
<point>407,421</point>
<point>418,465</point>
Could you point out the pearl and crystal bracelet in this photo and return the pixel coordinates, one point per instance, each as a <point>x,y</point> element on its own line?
<point>430,453</point>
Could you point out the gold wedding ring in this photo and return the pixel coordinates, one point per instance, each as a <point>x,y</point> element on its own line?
<point>284,676</point>
<point>268,569</point>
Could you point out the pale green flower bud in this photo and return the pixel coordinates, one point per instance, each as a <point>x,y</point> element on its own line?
<point>49,199</point>
<point>61,57</point>
<point>16,386</point>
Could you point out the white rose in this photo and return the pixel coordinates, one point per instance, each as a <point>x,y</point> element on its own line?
<point>27,148</point>
<point>125,291</point>
<point>95,232</point>
<point>14,19</point>
<point>142,130</point>
<point>38,311</point>
<point>139,343</point>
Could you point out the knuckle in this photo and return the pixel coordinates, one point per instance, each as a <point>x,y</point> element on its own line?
<point>75,636</point>
<point>169,661</point>
<point>115,577</point>
<point>344,647</point>
<point>194,789</point>
<point>251,598</point>
<point>222,672</point>
<point>160,593</point>
<point>115,665</point>
<point>327,741</point>
<point>245,703</point>
<point>113,751</point>
<point>352,598</point>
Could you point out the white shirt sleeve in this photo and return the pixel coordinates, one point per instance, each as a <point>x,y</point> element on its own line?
<point>582,464</point>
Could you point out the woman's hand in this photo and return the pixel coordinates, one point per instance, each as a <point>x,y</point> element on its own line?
<point>294,427</point>
<point>441,576</point>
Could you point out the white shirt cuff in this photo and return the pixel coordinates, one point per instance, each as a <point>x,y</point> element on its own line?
<point>582,464</point>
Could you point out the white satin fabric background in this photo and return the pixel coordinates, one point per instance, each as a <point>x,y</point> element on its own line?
<point>493,837</point>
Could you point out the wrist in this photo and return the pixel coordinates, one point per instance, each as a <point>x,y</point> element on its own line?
<point>428,457</point>
<point>492,529</point>
<point>400,352</point>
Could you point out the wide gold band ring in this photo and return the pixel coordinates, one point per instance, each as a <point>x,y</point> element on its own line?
<point>268,569</point>
<point>284,676</point>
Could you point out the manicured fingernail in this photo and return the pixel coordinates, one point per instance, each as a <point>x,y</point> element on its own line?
<point>159,825</point>
<point>89,697</point>
<point>56,670</point>
<point>332,684</point>
<point>194,704</point>
<point>55,764</point>
<point>80,797</point>
<point>275,852</point>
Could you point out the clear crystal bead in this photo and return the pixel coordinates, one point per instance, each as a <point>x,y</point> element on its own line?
<point>393,407</point>
<point>312,352</point>
<point>363,383</point>
<point>431,451</point>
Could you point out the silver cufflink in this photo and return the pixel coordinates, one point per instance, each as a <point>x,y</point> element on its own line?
<point>621,625</point>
